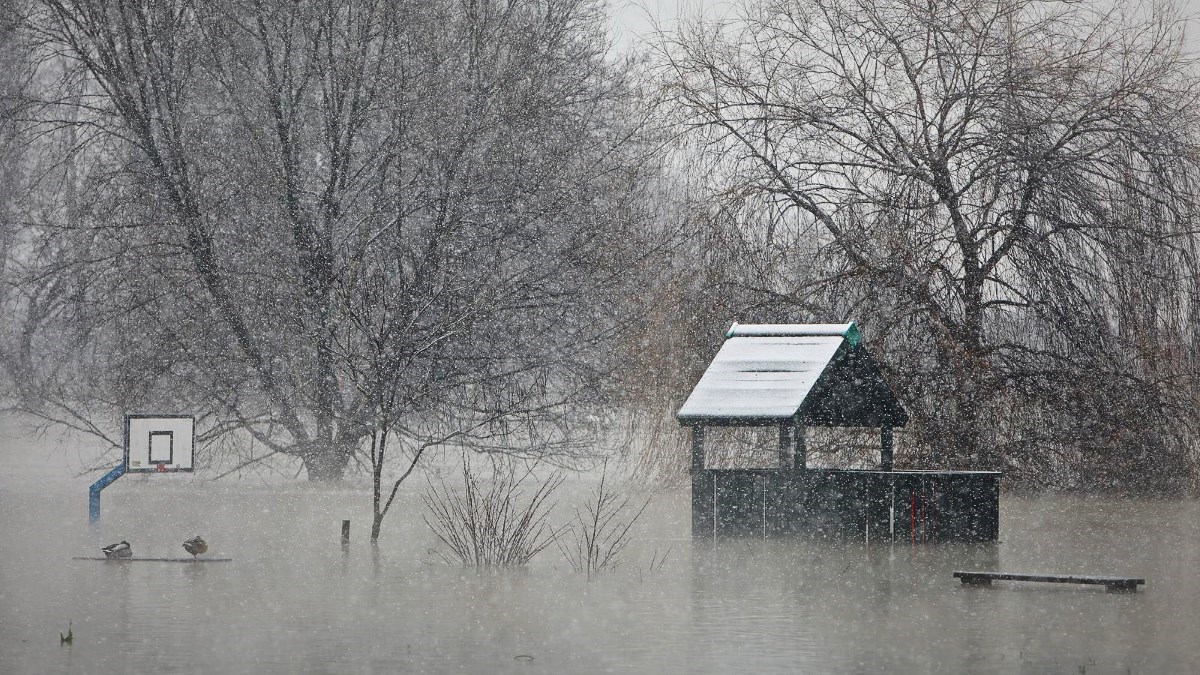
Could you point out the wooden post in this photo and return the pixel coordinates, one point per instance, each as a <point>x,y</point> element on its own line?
<point>704,484</point>
<point>345,535</point>
<point>698,447</point>
<point>885,449</point>
<point>800,453</point>
<point>785,445</point>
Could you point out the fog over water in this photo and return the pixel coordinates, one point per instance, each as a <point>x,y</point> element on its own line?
<point>292,602</point>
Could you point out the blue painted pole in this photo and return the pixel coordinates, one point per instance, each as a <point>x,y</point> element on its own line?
<point>94,491</point>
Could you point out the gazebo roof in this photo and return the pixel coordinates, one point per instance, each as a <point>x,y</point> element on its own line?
<point>816,374</point>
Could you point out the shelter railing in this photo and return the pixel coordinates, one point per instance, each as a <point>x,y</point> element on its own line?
<point>916,506</point>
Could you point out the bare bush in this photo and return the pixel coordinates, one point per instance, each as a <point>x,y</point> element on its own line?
<point>600,532</point>
<point>492,525</point>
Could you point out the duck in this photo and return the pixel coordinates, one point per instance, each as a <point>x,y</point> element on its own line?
<point>121,549</point>
<point>195,546</point>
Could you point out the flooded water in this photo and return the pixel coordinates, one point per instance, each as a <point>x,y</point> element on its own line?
<point>291,601</point>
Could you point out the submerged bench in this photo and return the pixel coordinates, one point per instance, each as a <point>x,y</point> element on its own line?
<point>1112,584</point>
<point>172,560</point>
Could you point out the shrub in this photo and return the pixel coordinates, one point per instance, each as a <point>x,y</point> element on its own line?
<point>492,525</point>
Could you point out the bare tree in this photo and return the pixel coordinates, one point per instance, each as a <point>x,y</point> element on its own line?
<point>958,175</point>
<point>15,70</point>
<point>323,225</point>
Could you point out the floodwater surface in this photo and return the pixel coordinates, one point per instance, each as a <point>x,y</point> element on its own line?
<point>292,601</point>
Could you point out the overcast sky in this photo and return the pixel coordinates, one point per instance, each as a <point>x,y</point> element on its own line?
<point>637,17</point>
<point>632,18</point>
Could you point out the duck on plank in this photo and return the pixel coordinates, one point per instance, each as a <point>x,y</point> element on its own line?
<point>119,550</point>
<point>195,546</point>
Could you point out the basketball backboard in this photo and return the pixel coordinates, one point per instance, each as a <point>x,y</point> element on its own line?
<point>159,443</point>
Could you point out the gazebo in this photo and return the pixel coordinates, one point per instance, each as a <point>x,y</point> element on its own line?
<point>795,376</point>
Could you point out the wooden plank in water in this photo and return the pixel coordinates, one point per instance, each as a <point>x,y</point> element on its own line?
<point>174,560</point>
<point>1109,582</point>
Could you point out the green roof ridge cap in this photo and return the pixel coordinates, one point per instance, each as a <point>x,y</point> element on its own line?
<point>852,334</point>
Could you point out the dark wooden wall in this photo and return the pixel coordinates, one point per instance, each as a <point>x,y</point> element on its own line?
<point>916,506</point>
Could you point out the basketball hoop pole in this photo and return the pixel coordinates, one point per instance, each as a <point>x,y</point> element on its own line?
<point>94,491</point>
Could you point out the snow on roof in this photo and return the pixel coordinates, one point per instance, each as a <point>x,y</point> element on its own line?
<point>764,371</point>
<point>847,330</point>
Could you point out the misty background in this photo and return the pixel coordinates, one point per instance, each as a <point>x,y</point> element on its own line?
<point>345,236</point>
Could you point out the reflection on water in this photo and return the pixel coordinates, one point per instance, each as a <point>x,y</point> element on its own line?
<point>292,602</point>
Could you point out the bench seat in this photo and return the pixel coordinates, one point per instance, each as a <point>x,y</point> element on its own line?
<point>1110,583</point>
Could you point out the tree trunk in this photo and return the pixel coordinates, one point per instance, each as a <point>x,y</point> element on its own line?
<point>375,524</point>
<point>973,389</point>
<point>327,463</point>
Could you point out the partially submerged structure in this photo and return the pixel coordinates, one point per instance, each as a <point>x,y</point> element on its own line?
<point>795,376</point>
